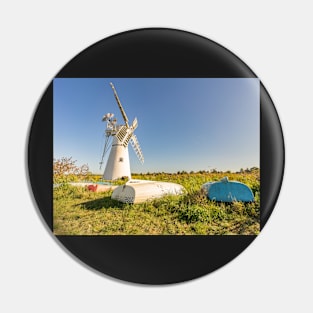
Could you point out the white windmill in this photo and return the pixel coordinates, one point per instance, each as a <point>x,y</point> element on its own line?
<point>118,138</point>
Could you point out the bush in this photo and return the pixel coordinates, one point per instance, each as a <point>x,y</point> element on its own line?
<point>65,170</point>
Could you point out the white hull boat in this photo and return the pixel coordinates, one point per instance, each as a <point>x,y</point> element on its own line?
<point>138,191</point>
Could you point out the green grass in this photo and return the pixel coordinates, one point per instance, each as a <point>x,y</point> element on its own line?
<point>77,211</point>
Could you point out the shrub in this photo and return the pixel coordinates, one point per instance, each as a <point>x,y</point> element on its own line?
<point>65,170</point>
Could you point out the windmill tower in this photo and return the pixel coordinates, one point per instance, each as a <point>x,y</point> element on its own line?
<point>118,138</point>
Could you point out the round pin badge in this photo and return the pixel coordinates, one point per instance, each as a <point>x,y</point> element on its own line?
<point>155,156</point>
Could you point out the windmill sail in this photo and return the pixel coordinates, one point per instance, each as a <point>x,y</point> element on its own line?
<point>120,105</point>
<point>135,144</point>
<point>124,134</point>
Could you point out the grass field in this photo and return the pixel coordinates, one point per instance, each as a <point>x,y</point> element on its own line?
<point>77,211</point>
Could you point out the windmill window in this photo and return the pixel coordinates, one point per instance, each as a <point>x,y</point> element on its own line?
<point>121,159</point>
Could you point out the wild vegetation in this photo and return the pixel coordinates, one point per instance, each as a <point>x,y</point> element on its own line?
<point>65,170</point>
<point>78,211</point>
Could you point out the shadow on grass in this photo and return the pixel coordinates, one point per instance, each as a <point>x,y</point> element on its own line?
<point>103,203</point>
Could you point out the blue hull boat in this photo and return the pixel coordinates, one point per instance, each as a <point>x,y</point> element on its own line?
<point>228,191</point>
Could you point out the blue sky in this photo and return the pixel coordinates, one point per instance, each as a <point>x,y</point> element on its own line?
<point>186,124</point>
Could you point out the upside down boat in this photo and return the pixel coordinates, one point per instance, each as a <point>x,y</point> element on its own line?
<point>228,191</point>
<point>138,191</point>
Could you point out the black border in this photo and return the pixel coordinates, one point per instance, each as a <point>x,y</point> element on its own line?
<point>154,53</point>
